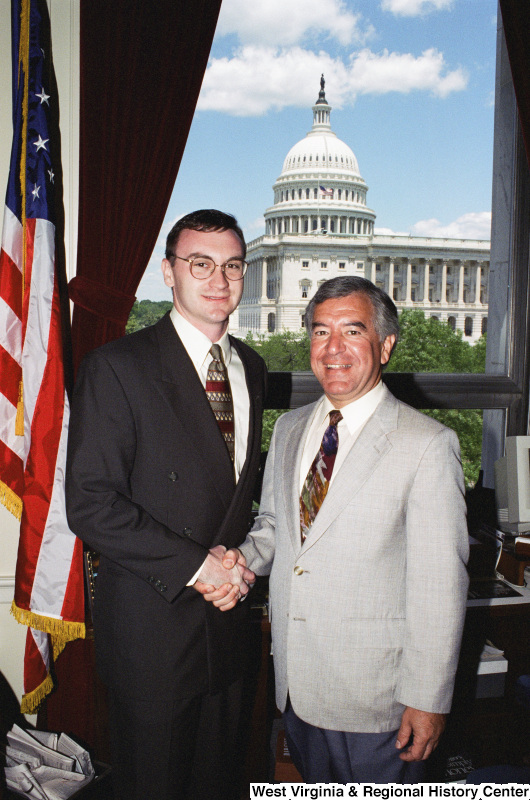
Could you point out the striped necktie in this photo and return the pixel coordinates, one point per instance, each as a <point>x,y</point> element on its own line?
<point>220,396</point>
<point>317,481</point>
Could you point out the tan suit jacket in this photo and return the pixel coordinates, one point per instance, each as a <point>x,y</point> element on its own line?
<point>367,615</point>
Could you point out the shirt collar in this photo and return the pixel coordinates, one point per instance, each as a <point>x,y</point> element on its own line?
<point>357,412</point>
<point>197,344</point>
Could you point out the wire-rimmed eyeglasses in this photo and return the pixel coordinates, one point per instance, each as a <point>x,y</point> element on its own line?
<point>201,267</point>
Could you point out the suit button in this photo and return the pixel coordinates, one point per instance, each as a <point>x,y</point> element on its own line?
<point>172,476</point>
<point>163,587</point>
<point>151,579</point>
<point>187,531</point>
<point>298,571</point>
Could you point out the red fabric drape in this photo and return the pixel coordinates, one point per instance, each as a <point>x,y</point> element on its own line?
<point>516,22</point>
<point>142,66</point>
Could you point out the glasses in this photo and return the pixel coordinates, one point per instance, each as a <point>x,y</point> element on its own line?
<point>202,267</point>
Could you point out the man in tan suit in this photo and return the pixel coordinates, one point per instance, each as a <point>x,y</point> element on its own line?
<point>367,581</point>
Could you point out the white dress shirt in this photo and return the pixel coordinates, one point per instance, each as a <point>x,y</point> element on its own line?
<point>354,417</point>
<point>198,346</point>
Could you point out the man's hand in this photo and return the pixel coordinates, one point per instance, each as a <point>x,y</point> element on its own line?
<point>235,556</point>
<point>224,578</point>
<point>425,728</point>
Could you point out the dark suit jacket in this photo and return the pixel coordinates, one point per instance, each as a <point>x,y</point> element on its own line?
<point>150,487</point>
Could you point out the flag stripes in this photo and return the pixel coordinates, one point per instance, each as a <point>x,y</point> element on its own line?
<point>34,411</point>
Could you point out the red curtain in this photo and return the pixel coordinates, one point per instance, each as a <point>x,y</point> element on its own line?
<point>142,66</point>
<point>516,21</point>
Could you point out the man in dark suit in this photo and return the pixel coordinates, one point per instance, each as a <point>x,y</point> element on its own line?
<point>163,457</point>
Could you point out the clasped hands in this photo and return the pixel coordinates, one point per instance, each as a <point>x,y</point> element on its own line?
<point>224,579</point>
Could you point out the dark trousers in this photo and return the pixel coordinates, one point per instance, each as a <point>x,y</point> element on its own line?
<point>186,750</point>
<point>323,756</point>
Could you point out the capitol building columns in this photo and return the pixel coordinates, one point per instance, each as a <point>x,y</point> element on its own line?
<point>408,295</point>
<point>426,283</point>
<point>461,284</point>
<point>279,284</point>
<point>390,285</point>
<point>263,280</point>
<point>478,283</point>
<point>443,297</point>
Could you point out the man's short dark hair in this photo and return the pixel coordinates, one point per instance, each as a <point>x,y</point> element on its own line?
<point>207,219</point>
<point>385,318</point>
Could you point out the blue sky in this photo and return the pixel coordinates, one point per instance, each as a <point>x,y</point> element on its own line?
<point>411,83</point>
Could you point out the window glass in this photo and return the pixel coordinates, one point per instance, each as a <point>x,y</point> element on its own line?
<point>428,177</point>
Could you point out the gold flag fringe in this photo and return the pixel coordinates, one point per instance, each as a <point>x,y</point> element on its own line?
<point>61,632</point>
<point>30,702</point>
<point>11,501</point>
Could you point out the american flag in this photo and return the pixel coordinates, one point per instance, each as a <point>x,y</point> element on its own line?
<point>49,594</point>
<point>326,192</point>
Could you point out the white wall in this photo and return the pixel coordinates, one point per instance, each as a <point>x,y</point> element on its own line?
<point>64,16</point>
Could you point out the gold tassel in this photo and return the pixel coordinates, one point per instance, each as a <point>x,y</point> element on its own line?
<point>11,501</point>
<point>62,631</point>
<point>19,419</point>
<point>30,702</point>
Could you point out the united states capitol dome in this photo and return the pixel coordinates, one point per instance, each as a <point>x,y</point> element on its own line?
<point>320,187</point>
<point>321,149</point>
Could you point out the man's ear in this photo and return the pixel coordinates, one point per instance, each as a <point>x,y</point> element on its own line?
<point>167,272</point>
<point>387,347</point>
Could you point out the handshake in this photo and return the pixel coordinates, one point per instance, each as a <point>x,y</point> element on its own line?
<point>224,579</point>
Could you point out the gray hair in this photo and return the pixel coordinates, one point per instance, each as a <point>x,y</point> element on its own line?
<point>385,317</point>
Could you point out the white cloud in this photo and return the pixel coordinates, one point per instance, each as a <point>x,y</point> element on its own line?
<point>378,73</point>
<point>413,8</point>
<point>257,79</point>
<point>286,22</point>
<point>474,225</point>
<point>257,224</point>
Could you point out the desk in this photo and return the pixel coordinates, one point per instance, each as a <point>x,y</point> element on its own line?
<point>505,622</point>
<point>491,730</point>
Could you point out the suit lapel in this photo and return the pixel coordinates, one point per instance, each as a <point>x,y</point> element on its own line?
<point>369,448</point>
<point>255,391</point>
<point>181,387</point>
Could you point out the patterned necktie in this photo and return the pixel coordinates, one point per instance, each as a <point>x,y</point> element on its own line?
<point>317,481</point>
<point>220,397</point>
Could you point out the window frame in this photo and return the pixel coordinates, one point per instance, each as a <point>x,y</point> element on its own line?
<point>503,391</point>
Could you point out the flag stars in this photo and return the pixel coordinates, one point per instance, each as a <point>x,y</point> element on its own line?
<point>52,175</point>
<point>43,96</point>
<point>35,192</point>
<point>41,143</point>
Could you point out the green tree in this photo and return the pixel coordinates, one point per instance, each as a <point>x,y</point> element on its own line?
<point>282,352</point>
<point>425,345</point>
<point>467,424</point>
<point>428,345</point>
<point>146,312</point>
<point>478,355</point>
